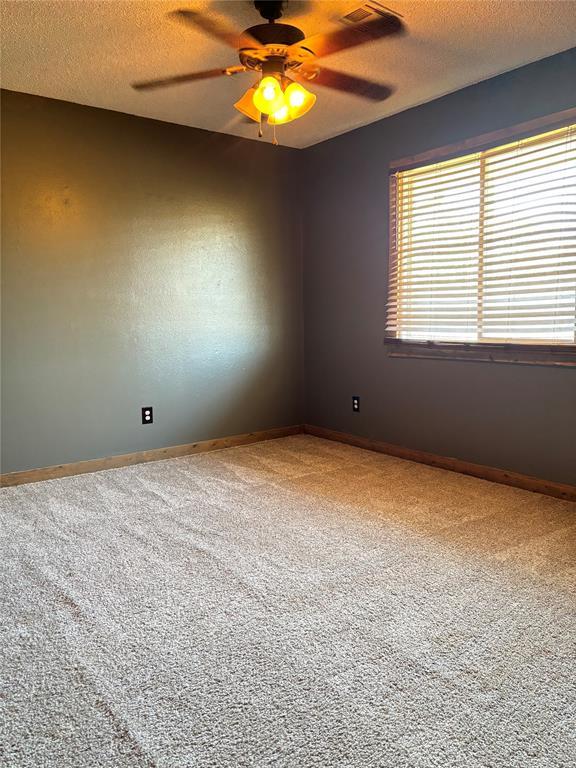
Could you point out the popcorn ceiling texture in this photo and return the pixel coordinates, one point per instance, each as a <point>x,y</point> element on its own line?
<point>292,603</point>
<point>90,52</point>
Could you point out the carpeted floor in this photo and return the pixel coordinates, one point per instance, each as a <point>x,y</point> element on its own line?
<point>294,603</point>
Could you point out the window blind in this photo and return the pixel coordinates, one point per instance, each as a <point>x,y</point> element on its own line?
<point>483,246</point>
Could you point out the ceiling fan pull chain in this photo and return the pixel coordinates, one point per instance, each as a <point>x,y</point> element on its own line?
<point>274,139</point>
<point>260,127</point>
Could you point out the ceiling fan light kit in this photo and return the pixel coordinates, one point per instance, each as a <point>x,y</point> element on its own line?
<point>283,57</point>
<point>278,97</point>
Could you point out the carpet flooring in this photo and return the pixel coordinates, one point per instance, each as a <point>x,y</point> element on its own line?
<point>296,603</point>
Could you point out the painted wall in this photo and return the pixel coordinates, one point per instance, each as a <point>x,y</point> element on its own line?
<point>151,264</point>
<point>521,418</point>
<point>143,264</point>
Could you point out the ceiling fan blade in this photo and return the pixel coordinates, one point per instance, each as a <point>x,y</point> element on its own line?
<point>385,25</point>
<point>340,81</point>
<point>215,29</point>
<point>163,82</point>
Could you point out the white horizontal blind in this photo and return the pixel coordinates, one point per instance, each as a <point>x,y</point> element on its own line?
<point>483,247</point>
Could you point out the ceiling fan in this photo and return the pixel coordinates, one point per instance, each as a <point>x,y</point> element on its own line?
<point>285,58</point>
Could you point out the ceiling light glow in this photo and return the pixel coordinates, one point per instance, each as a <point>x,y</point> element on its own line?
<point>281,116</point>
<point>299,100</point>
<point>295,95</point>
<point>280,106</point>
<point>268,97</point>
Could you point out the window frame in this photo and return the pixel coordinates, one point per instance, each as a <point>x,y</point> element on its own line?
<point>524,353</point>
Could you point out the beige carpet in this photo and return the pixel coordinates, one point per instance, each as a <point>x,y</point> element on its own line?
<point>293,603</point>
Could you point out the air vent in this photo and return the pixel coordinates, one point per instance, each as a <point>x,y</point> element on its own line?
<point>358,15</point>
<point>365,11</point>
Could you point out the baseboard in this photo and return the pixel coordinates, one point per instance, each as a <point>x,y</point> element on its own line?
<point>140,457</point>
<point>515,479</point>
<point>527,483</point>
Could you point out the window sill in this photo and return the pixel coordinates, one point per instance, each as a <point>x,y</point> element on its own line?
<point>563,355</point>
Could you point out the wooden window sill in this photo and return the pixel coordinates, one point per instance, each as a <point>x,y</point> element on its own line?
<point>563,355</point>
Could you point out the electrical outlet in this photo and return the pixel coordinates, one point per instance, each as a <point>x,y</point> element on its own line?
<point>356,403</point>
<point>147,415</point>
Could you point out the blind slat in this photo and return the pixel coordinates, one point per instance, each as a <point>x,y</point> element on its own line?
<point>496,290</point>
<point>512,269</point>
<point>430,232</point>
<point>496,260</point>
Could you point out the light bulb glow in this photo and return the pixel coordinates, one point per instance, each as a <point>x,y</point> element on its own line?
<point>295,95</point>
<point>281,114</point>
<point>299,101</point>
<point>269,93</point>
<point>268,97</point>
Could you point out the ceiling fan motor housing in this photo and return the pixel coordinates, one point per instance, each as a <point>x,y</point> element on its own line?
<point>276,34</point>
<point>276,39</point>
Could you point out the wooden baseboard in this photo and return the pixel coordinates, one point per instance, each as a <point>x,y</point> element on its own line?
<point>535,484</point>
<point>547,487</point>
<point>156,454</point>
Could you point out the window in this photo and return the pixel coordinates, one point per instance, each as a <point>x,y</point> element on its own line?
<point>483,246</point>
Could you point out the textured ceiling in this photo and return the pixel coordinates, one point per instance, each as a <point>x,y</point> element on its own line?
<point>89,51</point>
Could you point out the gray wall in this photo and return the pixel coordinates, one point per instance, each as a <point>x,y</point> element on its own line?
<point>152,264</point>
<point>521,418</point>
<point>143,264</point>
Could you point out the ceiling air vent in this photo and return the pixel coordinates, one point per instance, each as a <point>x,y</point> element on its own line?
<point>358,15</point>
<point>365,11</point>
